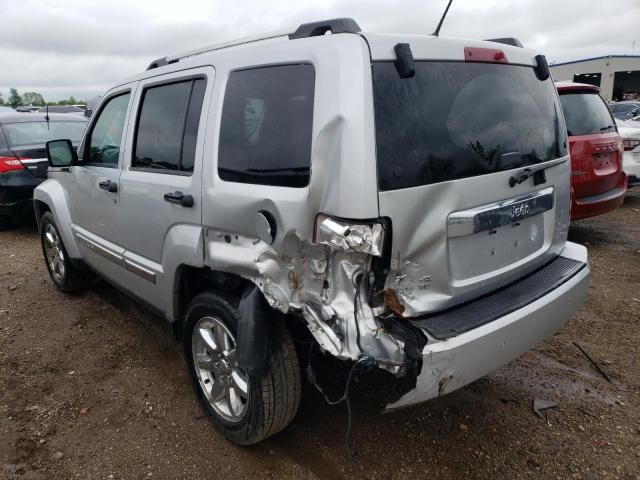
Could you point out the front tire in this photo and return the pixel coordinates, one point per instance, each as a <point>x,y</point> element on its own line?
<point>246,409</point>
<point>62,271</point>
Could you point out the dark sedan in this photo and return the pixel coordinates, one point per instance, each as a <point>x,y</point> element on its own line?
<point>23,157</point>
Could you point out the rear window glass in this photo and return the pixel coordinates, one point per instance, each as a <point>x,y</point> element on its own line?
<point>38,133</point>
<point>585,113</point>
<point>455,120</point>
<point>267,121</point>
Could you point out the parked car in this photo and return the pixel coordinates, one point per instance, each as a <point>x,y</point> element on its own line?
<point>630,133</point>
<point>62,109</point>
<point>403,201</point>
<point>625,110</point>
<point>23,157</point>
<point>27,109</point>
<point>598,183</point>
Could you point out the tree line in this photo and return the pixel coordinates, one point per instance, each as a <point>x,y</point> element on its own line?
<point>35,99</point>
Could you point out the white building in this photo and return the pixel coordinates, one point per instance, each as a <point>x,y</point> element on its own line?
<point>618,76</point>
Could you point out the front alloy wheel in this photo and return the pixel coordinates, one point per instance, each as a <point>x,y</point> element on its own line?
<point>64,273</point>
<point>54,253</point>
<point>224,385</point>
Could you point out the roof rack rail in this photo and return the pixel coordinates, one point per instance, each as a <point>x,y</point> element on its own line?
<point>333,25</point>
<point>514,42</point>
<point>313,29</point>
<point>160,62</point>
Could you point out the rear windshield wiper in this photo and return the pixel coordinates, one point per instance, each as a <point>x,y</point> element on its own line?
<point>608,127</point>
<point>537,172</point>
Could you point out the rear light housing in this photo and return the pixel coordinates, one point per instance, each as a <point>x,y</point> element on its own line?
<point>630,143</point>
<point>491,55</point>
<point>349,236</point>
<point>8,164</point>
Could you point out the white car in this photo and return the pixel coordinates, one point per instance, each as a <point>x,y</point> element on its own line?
<point>630,133</point>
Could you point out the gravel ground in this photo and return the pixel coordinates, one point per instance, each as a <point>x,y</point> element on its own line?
<point>93,387</point>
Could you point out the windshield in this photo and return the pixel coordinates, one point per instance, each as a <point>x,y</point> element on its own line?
<point>38,133</point>
<point>585,113</point>
<point>455,120</point>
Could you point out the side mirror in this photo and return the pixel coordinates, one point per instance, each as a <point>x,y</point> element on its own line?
<point>60,153</point>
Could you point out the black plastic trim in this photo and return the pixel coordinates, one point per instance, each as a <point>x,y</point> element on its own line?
<point>333,25</point>
<point>514,42</point>
<point>457,320</point>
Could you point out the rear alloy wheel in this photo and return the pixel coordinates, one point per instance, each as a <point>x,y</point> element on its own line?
<point>224,385</point>
<point>245,408</point>
<point>62,271</point>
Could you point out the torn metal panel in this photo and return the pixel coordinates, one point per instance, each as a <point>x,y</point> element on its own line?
<point>318,282</point>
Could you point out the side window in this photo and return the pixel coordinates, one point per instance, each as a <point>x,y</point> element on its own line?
<point>267,122</point>
<point>167,126</point>
<point>103,145</point>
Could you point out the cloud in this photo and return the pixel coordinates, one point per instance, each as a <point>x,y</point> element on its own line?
<point>79,48</point>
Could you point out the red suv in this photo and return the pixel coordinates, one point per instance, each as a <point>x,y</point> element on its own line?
<point>598,184</point>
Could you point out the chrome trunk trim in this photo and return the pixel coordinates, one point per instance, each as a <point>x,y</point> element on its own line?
<point>494,215</point>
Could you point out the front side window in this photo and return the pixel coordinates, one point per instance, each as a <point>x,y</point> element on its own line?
<point>266,129</point>
<point>168,126</point>
<point>456,120</point>
<point>106,135</point>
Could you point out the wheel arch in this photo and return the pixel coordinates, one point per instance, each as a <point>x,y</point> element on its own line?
<point>50,196</point>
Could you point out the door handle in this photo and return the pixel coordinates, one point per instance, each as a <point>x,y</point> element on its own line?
<point>109,186</point>
<point>179,198</point>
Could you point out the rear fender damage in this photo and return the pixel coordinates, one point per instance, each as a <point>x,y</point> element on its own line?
<point>329,289</point>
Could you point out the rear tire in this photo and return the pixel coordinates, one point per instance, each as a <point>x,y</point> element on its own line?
<point>62,271</point>
<point>268,404</point>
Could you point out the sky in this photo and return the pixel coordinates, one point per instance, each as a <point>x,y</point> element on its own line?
<point>80,47</point>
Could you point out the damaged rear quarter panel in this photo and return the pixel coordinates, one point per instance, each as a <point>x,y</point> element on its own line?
<point>294,274</point>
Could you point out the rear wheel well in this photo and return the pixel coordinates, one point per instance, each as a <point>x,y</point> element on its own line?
<point>190,281</point>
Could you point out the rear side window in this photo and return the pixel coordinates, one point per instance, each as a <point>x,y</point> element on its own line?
<point>455,120</point>
<point>167,127</point>
<point>585,113</point>
<point>267,122</point>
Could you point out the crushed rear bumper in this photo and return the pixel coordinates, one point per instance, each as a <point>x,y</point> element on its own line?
<point>457,361</point>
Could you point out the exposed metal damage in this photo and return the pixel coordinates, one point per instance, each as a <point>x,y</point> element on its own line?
<point>329,288</point>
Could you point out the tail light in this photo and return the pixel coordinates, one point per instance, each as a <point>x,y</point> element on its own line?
<point>8,164</point>
<point>630,143</point>
<point>349,236</point>
<point>491,55</point>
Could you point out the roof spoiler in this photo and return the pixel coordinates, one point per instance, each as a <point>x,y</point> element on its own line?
<point>334,25</point>
<point>514,42</point>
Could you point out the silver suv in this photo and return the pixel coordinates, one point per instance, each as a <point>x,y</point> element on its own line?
<point>403,200</point>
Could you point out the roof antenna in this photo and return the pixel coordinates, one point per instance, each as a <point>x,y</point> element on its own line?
<point>46,117</point>
<point>446,10</point>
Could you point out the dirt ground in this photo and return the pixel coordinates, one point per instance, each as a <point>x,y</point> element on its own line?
<point>93,387</point>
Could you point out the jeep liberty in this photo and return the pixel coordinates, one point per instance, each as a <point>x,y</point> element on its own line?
<point>403,199</point>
